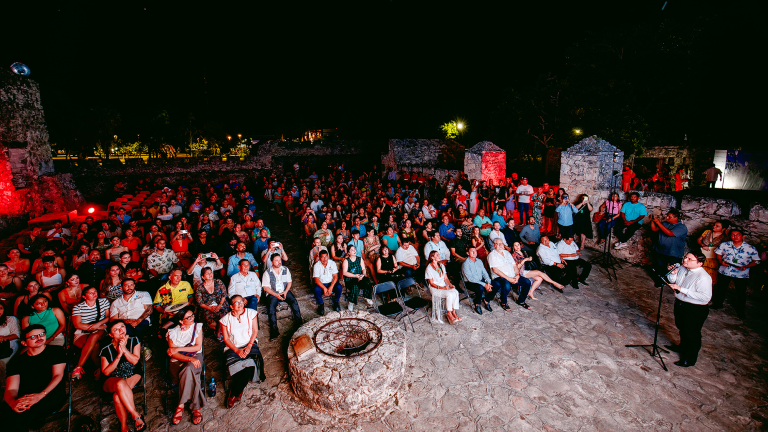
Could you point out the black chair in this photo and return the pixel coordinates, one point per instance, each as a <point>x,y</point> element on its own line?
<point>171,386</point>
<point>392,308</point>
<point>413,303</point>
<point>463,291</point>
<point>106,398</point>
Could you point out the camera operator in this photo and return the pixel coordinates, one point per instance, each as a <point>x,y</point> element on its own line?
<point>670,246</point>
<point>693,290</point>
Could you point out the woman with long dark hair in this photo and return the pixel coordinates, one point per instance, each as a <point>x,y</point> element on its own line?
<point>119,361</point>
<point>243,358</point>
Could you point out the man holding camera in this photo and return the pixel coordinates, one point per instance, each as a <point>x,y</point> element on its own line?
<point>670,246</point>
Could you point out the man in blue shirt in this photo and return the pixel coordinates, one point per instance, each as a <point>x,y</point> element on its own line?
<point>498,217</point>
<point>670,246</point>
<point>447,230</point>
<point>632,214</point>
<point>477,280</point>
<point>233,265</point>
<point>565,213</point>
<point>530,236</point>
<point>261,243</point>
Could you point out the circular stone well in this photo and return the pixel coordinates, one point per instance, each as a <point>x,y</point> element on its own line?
<point>356,363</point>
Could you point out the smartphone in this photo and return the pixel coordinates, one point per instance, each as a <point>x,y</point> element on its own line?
<point>184,232</point>
<point>206,256</point>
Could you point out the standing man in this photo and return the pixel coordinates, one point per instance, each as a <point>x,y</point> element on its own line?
<point>736,257</point>
<point>502,266</point>
<point>693,290</point>
<point>565,212</point>
<point>476,279</point>
<point>277,283</point>
<point>326,276</point>
<point>713,175</point>
<point>670,246</point>
<point>524,192</point>
<point>632,214</point>
<point>246,284</point>
<point>34,382</point>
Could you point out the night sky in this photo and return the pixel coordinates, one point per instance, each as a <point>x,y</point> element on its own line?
<point>374,69</point>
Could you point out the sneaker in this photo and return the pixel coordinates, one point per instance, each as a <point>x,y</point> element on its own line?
<point>147,354</point>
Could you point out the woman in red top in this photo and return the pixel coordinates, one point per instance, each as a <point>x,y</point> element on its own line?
<point>132,243</point>
<point>180,245</point>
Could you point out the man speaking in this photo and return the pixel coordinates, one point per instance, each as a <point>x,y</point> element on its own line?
<point>693,290</point>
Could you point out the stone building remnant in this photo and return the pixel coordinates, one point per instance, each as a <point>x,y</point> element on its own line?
<point>486,161</point>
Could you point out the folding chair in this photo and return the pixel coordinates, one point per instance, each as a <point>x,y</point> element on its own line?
<point>105,397</point>
<point>413,303</point>
<point>391,309</point>
<point>463,291</point>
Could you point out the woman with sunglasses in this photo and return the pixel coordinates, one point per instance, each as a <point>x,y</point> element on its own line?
<point>244,362</point>
<point>185,346</point>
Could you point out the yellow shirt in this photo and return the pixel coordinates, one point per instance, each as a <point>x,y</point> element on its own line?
<point>168,295</point>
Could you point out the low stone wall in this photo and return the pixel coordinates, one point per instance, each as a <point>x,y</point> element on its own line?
<point>698,214</point>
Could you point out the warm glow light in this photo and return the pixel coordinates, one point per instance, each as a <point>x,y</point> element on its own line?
<point>460,125</point>
<point>577,131</point>
<point>239,135</point>
<point>229,137</point>
<point>91,209</point>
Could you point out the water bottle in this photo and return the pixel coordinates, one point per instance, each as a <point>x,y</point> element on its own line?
<point>212,388</point>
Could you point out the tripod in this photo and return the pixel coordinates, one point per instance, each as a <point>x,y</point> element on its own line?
<point>656,351</point>
<point>606,259</point>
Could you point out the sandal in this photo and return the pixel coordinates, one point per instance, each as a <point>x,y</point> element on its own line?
<point>178,415</point>
<point>197,417</point>
<point>78,373</point>
<point>143,424</point>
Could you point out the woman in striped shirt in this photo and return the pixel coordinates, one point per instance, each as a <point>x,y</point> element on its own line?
<point>90,320</point>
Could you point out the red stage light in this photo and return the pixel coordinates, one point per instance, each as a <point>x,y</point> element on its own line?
<point>91,209</point>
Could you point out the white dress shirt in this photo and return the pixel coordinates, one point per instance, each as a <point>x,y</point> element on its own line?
<point>428,213</point>
<point>281,280</point>
<point>548,255</point>
<point>497,234</point>
<point>695,285</point>
<point>503,261</point>
<point>565,249</point>
<point>325,273</point>
<point>246,286</point>
<point>132,308</point>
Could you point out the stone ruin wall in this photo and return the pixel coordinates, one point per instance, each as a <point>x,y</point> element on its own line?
<point>29,187</point>
<point>587,170</point>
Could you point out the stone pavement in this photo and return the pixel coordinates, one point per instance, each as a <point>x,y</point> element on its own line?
<point>561,366</point>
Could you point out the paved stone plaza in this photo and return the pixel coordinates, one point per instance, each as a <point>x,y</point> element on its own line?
<point>561,366</point>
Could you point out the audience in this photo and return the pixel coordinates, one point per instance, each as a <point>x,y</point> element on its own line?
<point>205,252</point>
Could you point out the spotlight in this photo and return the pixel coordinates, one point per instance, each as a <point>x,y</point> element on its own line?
<point>91,210</point>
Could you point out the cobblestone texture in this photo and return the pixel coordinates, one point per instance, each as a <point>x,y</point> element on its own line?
<point>561,366</point>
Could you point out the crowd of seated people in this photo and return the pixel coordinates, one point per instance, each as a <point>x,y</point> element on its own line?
<point>200,259</point>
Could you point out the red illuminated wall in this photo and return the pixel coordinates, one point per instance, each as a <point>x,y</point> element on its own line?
<point>494,165</point>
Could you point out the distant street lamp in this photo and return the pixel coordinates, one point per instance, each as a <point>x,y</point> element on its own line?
<point>577,131</point>
<point>239,136</point>
<point>460,126</point>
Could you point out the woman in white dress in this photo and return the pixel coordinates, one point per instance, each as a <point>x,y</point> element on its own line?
<point>439,285</point>
<point>473,199</point>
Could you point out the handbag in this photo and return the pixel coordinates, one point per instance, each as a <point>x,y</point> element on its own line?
<point>191,343</point>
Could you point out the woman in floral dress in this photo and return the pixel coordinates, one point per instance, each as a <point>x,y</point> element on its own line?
<point>211,296</point>
<point>538,207</point>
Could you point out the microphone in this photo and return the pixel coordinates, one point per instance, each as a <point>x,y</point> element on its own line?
<point>669,273</point>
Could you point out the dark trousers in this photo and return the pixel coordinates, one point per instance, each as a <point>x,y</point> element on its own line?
<point>572,275</point>
<point>480,293</point>
<point>319,294</point>
<point>273,302</point>
<point>241,379</point>
<point>565,231</point>
<point>556,273</point>
<point>504,287</point>
<point>710,184</point>
<point>604,226</point>
<point>689,319</point>
<point>524,210</point>
<point>739,297</point>
<point>36,415</point>
<point>139,331</point>
<point>624,232</point>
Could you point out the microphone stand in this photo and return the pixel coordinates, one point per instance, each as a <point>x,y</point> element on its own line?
<point>656,349</point>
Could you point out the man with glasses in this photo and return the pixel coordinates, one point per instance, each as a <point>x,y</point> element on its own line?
<point>246,283</point>
<point>35,387</point>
